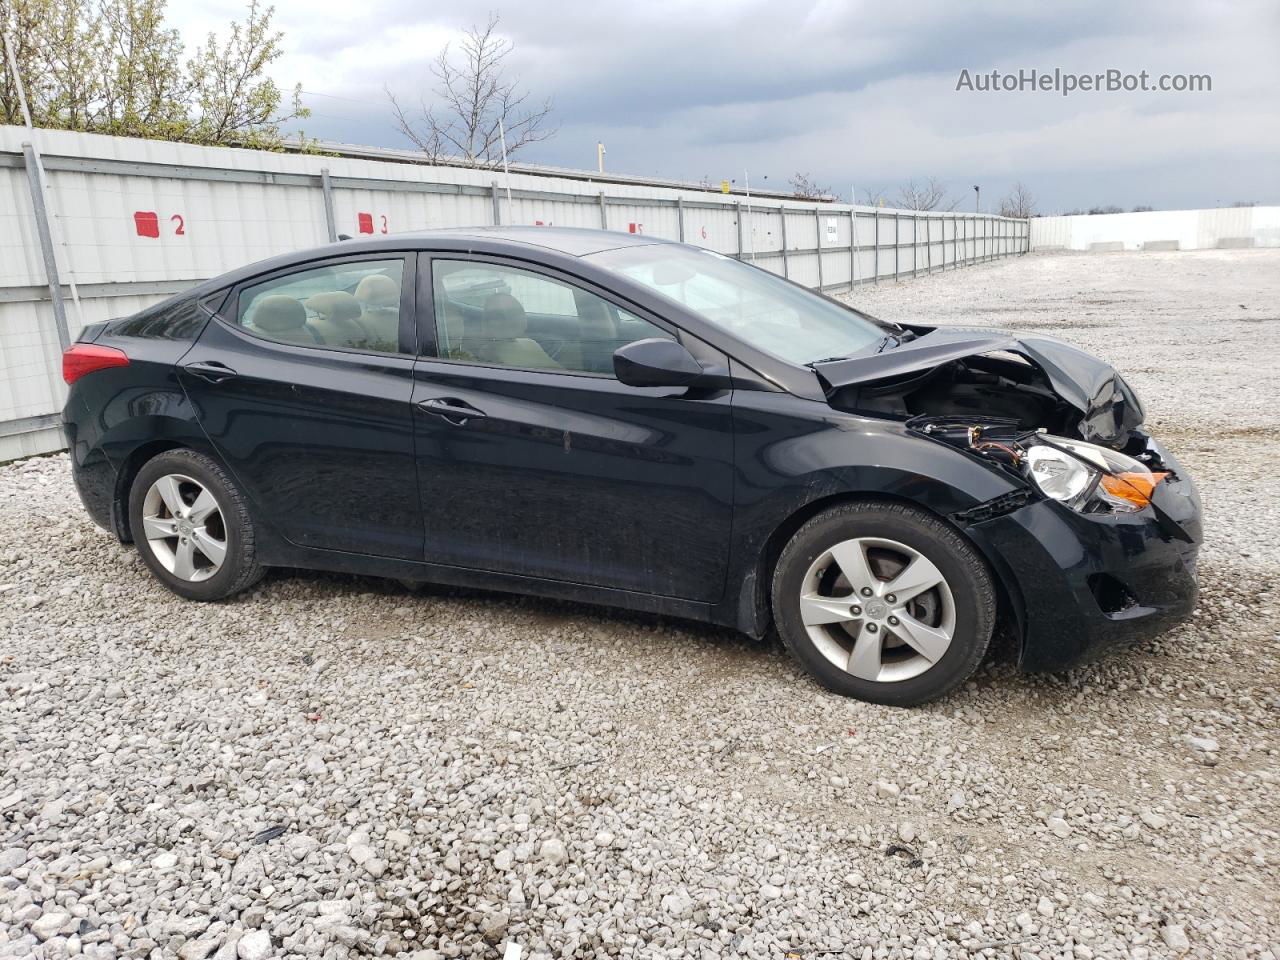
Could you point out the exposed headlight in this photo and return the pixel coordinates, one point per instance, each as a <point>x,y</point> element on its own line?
<point>1087,477</point>
<point>1058,474</point>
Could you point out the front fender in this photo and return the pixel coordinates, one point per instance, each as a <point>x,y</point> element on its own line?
<point>794,456</point>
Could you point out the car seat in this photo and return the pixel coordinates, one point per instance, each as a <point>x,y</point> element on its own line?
<point>498,336</point>
<point>278,317</point>
<point>337,320</point>
<point>379,299</point>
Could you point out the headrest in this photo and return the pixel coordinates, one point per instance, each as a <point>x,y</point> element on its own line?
<point>337,305</point>
<point>592,311</point>
<point>504,317</point>
<point>278,313</point>
<point>378,290</point>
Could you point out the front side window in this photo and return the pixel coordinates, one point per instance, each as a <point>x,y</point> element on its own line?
<point>351,305</point>
<point>504,316</point>
<point>760,308</point>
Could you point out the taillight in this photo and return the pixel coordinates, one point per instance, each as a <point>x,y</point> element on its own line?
<point>82,358</point>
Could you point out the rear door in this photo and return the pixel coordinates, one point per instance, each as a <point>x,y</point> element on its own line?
<point>303,383</point>
<point>534,460</point>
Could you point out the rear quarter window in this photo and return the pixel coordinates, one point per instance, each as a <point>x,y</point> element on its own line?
<point>182,320</point>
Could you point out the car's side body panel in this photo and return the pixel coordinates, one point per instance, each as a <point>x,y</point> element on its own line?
<point>320,440</point>
<point>114,413</point>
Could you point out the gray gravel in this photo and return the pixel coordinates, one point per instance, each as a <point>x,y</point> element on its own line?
<point>329,766</point>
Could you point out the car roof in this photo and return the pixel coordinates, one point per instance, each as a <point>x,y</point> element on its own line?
<point>574,241</point>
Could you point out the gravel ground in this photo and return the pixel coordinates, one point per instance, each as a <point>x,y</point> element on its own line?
<point>329,766</point>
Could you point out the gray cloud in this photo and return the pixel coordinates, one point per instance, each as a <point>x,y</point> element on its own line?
<point>851,92</point>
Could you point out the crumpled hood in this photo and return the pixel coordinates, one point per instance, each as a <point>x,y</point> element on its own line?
<point>1108,405</point>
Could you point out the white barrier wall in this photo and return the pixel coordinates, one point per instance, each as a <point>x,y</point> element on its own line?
<point>1224,228</point>
<point>133,221</point>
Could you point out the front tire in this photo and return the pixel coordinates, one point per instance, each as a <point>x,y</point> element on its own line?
<point>884,602</point>
<point>192,526</point>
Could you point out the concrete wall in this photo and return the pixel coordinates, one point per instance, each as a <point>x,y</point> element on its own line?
<point>134,221</point>
<point>1224,228</point>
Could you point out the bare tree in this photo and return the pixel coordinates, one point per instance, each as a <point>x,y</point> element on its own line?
<point>475,95</point>
<point>874,197</point>
<point>805,188</point>
<point>1018,203</point>
<point>929,195</point>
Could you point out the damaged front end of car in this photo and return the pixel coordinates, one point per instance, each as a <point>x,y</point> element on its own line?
<point>1098,539</point>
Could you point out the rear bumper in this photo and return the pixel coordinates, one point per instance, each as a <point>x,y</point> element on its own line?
<point>1084,584</point>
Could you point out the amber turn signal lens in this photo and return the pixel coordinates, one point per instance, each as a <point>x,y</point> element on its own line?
<point>1135,488</point>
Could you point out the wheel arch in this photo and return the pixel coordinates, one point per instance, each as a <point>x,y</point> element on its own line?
<point>755,609</point>
<point>131,464</point>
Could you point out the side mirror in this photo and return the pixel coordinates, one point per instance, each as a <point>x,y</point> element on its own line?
<point>655,363</point>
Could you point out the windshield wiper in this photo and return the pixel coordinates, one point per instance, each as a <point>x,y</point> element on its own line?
<point>885,341</point>
<point>888,340</point>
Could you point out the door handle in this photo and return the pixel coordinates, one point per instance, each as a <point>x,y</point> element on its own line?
<point>213,371</point>
<point>451,409</point>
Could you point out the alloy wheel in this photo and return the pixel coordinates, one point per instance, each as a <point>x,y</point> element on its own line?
<point>184,527</point>
<point>878,609</point>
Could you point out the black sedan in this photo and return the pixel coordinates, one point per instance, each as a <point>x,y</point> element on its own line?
<point>615,419</point>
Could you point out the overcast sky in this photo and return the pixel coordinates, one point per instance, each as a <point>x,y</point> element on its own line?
<point>854,93</point>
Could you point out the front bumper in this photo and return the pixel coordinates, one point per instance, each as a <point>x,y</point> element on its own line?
<point>1082,584</point>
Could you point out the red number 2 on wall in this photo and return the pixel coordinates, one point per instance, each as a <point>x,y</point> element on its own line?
<point>147,224</point>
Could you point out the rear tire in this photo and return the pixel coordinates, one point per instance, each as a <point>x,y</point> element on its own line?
<point>884,602</point>
<point>192,526</point>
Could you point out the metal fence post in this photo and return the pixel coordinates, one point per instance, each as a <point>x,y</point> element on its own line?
<point>875,222</point>
<point>817,225</point>
<point>897,242</point>
<point>786,260</point>
<point>853,248</point>
<point>326,186</point>
<point>46,244</point>
<point>497,206</point>
<point>604,213</point>
<point>738,205</point>
<point>915,243</point>
<point>680,217</point>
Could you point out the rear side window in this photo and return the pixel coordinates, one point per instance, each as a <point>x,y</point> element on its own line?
<point>167,321</point>
<point>354,305</point>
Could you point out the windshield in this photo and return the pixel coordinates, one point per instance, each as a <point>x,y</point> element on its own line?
<point>756,306</point>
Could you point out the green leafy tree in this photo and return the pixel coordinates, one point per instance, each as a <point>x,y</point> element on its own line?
<point>114,67</point>
<point>233,99</point>
<point>144,91</point>
<point>24,22</point>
